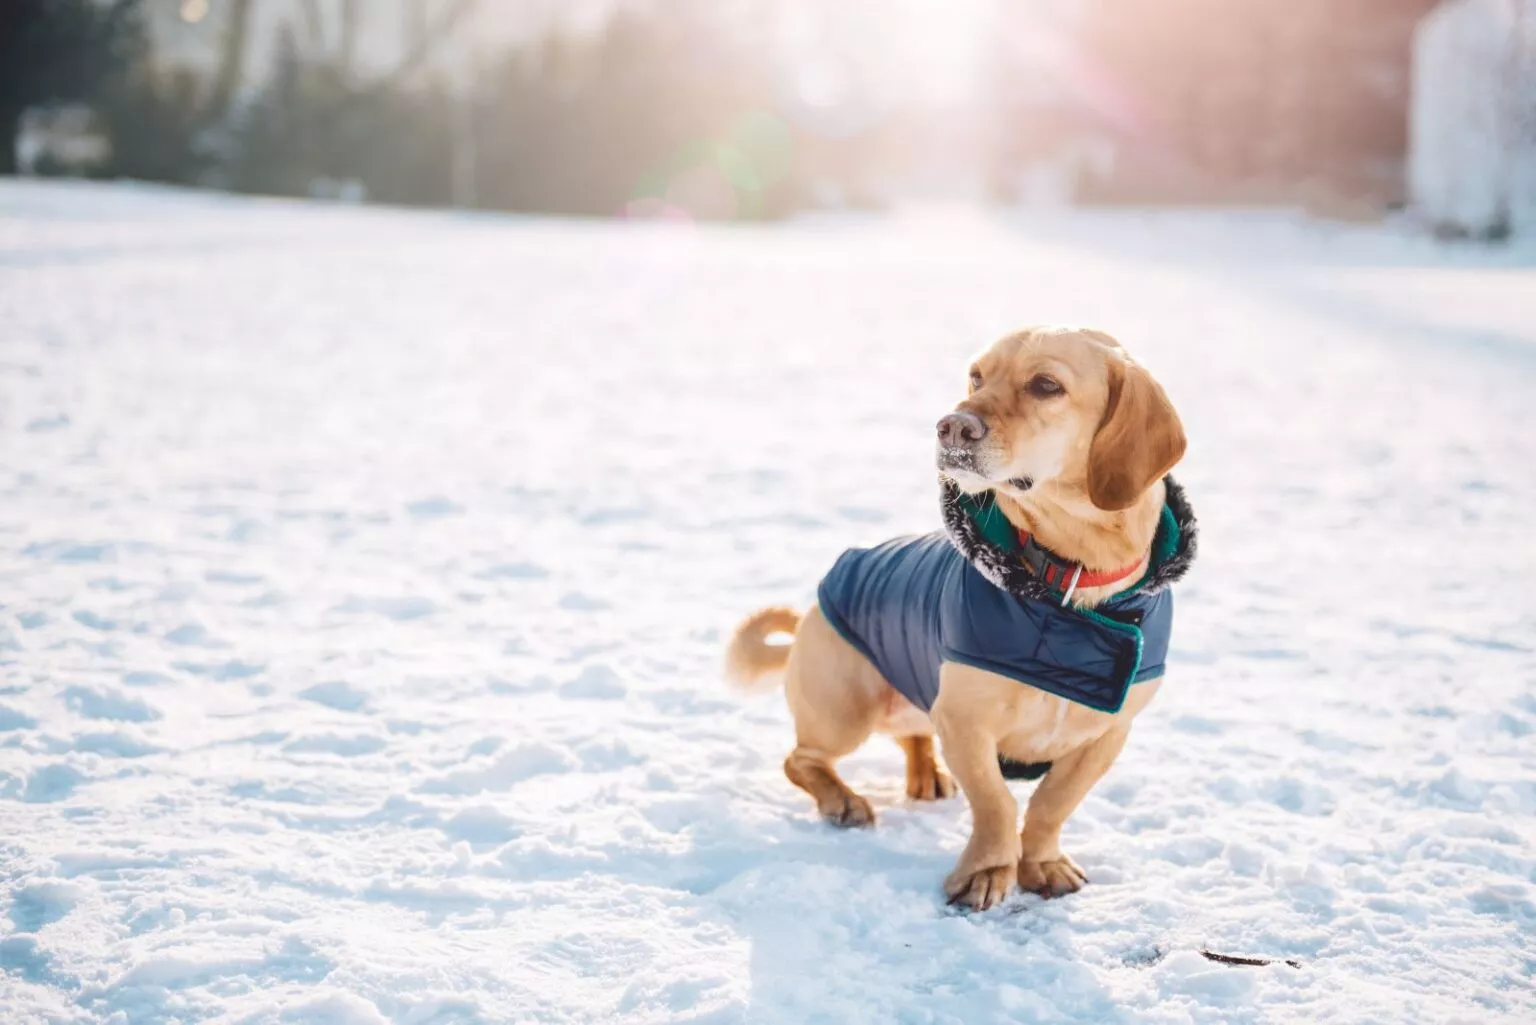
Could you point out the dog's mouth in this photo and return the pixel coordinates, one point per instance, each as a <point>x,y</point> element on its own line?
<point>961,459</point>
<point>959,465</point>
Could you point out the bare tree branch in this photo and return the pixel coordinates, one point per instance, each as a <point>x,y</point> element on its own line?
<point>1252,962</point>
<point>231,61</point>
<point>314,26</point>
<point>356,129</point>
<point>426,41</point>
<point>348,37</point>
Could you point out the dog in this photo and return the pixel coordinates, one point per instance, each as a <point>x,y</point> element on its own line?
<point>1027,635</point>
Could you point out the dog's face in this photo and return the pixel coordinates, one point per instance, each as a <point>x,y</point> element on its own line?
<point>1064,405</point>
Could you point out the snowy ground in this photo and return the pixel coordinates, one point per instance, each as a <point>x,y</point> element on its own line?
<point>363,577</point>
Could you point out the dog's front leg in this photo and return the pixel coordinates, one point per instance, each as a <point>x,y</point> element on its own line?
<point>1043,868</point>
<point>965,718</point>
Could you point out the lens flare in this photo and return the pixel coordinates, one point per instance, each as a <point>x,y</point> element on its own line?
<point>721,179</point>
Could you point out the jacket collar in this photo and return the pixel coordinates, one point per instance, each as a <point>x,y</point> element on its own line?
<point>981,533</point>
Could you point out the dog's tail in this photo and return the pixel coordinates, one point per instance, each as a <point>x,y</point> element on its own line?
<point>751,663</point>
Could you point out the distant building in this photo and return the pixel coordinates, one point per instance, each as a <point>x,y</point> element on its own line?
<point>1472,168</point>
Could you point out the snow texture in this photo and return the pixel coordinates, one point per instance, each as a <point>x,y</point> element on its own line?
<point>1472,161</point>
<point>366,574</point>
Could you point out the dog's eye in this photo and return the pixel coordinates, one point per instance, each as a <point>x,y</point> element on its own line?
<point>1042,387</point>
<point>975,379</point>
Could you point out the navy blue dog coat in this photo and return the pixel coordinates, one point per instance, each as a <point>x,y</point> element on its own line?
<point>963,595</point>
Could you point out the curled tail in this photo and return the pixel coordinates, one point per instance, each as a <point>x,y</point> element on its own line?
<point>749,658</point>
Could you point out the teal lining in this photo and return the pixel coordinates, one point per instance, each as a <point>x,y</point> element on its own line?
<point>1135,631</point>
<point>994,526</point>
<point>1164,543</point>
<point>1000,532</point>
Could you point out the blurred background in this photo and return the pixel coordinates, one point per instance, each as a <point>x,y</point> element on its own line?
<point>365,562</point>
<point>726,110</point>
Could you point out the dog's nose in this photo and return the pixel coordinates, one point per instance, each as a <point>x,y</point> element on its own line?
<point>961,430</point>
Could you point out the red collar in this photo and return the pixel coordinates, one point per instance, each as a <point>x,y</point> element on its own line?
<point>1063,576</point>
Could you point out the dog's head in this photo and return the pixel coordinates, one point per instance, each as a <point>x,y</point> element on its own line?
<point>1062,405</point>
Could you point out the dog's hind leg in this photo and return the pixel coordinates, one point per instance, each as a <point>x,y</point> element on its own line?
<point>810,769</point>
<point>834,696</point>
<point>925,780</point>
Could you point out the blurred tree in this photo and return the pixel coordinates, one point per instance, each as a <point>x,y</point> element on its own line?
<point>231,62</point>
<point>664,110</point>
<point>153,120</point>
<point>55,51</point>
<point>164,123</point>
<point>314,121</point>
<point>648,109</point>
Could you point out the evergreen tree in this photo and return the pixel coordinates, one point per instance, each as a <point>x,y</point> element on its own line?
<point>59,51</point>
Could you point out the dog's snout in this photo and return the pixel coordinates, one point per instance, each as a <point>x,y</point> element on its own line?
<point>961,429</point>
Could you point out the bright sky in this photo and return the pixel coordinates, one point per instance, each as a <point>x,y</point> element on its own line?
<point>945,40</point>
<point>927,51</point>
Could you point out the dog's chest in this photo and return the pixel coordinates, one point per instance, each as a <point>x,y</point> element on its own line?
<point>1046,727</point>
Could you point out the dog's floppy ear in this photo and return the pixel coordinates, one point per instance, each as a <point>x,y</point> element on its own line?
<point>1139,439</point>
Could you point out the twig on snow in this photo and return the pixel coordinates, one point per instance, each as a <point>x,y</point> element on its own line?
<point>1254,962</point>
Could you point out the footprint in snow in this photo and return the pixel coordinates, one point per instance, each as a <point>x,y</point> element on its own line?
<point>514,766</point>
<point>532,685</point>
<point>22,955</point>
<point>608,755</point>
<point>92,621</point>
<point>330,743</point>
<point>336,694</point>
<point>11,719</point>
<point>223,672</point>
<point>38,904</point>
<point>596,682</point>
<point>108,704</point>
<point>193,635</point>
<point>513,571</point>
<point>434,508</point>
<point>399,609</point>
<point>481,826</point>
<point>1299,797</point>
<point>69,551</point>
<point>115,745</point>
<point>46,424</point>
<point>219,576</point>
<point>609,516</point>
<point>51,783</point>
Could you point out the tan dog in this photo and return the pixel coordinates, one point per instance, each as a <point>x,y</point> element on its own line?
<point>1073,440</point>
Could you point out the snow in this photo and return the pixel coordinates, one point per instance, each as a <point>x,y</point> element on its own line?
<point>366,574</point>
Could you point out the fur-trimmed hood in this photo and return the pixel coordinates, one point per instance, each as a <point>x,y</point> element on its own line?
<point>967,522</point>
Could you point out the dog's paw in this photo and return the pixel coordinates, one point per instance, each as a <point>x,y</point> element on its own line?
<point>1055,878</point>
<point>979,889</point>
<point>930,786</point>
<point>850,812</point>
